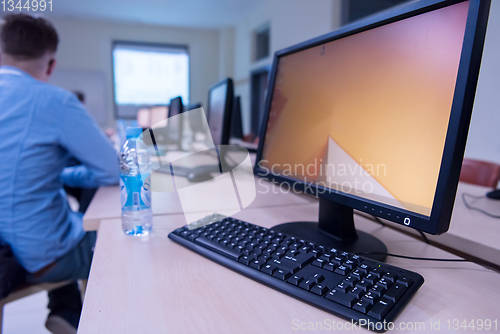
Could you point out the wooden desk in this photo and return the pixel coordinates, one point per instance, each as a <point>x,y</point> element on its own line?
<point>471,232</point>
<point>106,203</point>
<point>153,285</point>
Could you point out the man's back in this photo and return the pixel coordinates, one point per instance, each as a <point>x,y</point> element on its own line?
<point>42,126</point>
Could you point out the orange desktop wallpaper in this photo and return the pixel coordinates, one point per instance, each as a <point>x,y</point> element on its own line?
<point>374,105</point>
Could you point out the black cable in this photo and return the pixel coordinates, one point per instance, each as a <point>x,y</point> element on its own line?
<point>377,219</point>
<point>414,258</point>
<point>424,237</point>
<point>468,206</point>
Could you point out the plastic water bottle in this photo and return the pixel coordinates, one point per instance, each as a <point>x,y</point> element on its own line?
<point>135,168</point>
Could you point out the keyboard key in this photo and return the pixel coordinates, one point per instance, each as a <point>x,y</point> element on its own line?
<point>341,270</point>
<point>319,289</point>
<point>268,269</point>
<point>292,267</point>
<point>362,306</point>
<point>385,283</point>
<point>341,298</point>
<point>381,308</point>
<point>395,292</point>
<point>390,276</point>
<point>212,245</point>
<point>184,234</point>
<point>329,266</point>
<point>364,285</point>
<point>316,252</point>
<point>282,274</point>
<point>349,264</point>
<point>358,274</point>
<point>370,278</point>
<point>364,268</point>
<point>357,292</point>
<point>403,280</point>
<point>317,278</point>
<point>371,297</point>
<point>337,260</point>
<point>343,287</point>
<point>351,280</point>
<point>245,259</point>
<point>295,280</point>
<point>377,272</point>
<point>301,260</point>
<point>356,258</point>
<point>379,290</point>
<point>258,263</point>
<point>318,263</point>
<point>307,284</point>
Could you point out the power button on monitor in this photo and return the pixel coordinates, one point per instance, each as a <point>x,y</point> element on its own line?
<point>407,221</point>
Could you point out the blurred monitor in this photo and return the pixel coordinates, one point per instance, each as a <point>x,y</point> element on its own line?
<point>220,104</point>
<point>236,120</point>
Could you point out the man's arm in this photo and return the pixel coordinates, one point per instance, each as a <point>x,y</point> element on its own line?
<point>83,139</point>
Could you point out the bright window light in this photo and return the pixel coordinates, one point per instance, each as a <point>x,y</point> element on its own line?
<point>150,75</point>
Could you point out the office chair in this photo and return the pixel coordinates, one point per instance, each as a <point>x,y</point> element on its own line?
<point>481,173</point>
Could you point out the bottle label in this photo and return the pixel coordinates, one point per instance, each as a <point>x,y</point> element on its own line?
<point>135,195</point>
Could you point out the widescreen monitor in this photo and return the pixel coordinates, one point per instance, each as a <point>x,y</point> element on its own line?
<point>374,117</point>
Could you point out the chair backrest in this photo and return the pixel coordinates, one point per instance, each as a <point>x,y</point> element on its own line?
<point>481,173</point>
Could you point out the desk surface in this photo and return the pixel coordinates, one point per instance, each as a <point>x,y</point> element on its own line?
<point>471,232</point>
<point>154,285</point>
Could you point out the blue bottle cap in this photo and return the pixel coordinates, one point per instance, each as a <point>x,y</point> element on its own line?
<point>133,132</point>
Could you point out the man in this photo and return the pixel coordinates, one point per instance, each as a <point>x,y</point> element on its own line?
<point>41,128</point>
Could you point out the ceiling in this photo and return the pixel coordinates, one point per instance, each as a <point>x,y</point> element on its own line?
<point>189,13</point>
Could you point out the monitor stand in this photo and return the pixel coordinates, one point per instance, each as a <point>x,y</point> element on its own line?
<point>335,229</point>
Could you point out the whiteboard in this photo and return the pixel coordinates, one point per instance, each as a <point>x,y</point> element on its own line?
<point>91,83</point>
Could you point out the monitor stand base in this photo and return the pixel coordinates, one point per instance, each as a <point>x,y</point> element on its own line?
<point>335,229</point>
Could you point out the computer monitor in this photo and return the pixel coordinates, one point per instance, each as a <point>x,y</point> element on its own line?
<point>220,104</point>
<point>168,132</point>
<point>374,117</point>
<point>236,120</point>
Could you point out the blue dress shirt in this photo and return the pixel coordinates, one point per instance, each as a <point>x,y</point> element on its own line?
<point>41,128</point>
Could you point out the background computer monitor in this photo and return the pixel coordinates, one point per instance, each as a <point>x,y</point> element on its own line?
<point>167,132</point>
<point>387,102</point>
<point>236,119</point>
<point>195,121</point>
<point>220,104</point>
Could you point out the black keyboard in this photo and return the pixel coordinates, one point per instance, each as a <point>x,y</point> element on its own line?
<point>342,283</point>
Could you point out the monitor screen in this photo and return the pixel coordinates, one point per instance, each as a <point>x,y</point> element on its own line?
<point>367,114</point>
<point>149,75</point>
<point>216,110</point>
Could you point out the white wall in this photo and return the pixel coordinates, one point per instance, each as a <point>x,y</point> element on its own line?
<point>484,134</point>
<point>291,22</point>
<point>86,45</point>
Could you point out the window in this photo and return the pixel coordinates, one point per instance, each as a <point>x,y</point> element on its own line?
<point>261,43</point>
<point>149,74</point>
<point>356,10</point>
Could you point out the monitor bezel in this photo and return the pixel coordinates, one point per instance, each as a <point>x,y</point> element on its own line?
<point>456,137</point>
<point>226,119</point>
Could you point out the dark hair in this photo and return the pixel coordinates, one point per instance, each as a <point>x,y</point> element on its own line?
<point>27,37</point>
<point>79,95</point>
